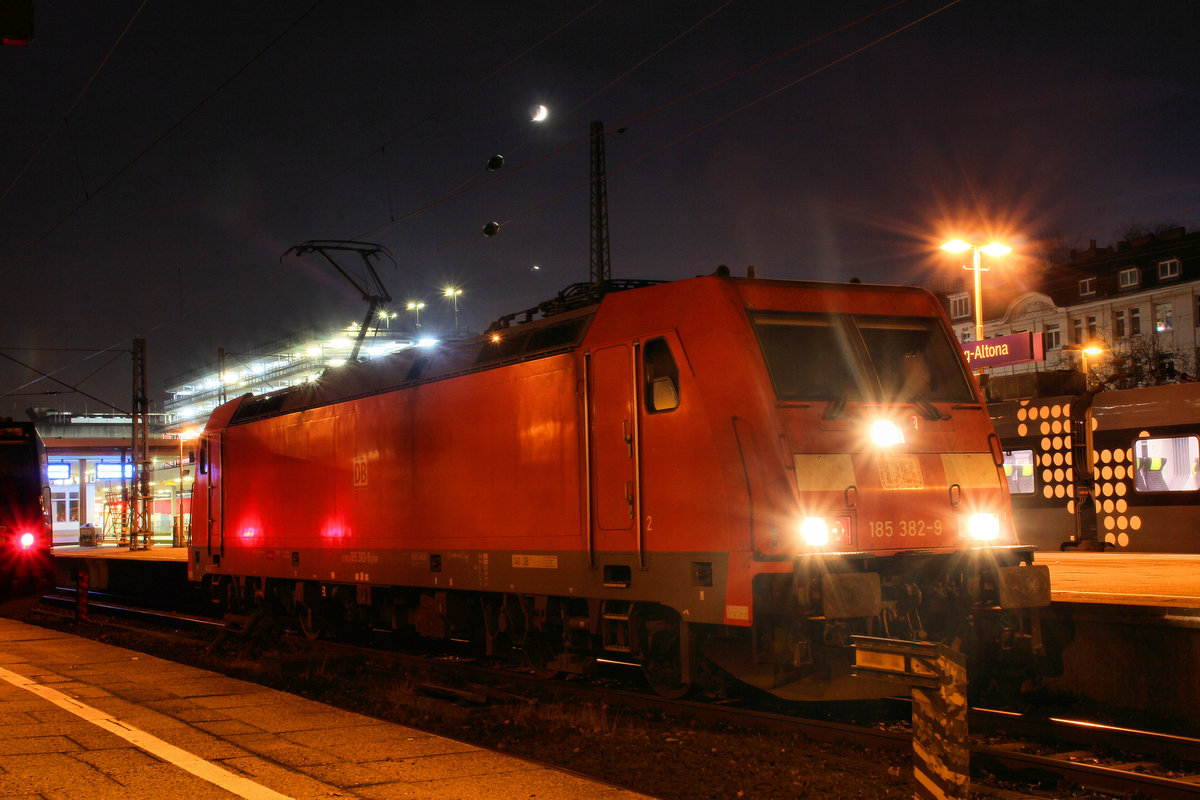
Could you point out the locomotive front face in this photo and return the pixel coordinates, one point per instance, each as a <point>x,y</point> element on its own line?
<point>894,515</point>
<point>890,446</point>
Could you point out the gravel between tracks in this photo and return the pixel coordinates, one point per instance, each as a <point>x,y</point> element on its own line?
<point>666,758</point>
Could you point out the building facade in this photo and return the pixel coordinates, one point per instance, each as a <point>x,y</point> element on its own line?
<point>1137,302</point>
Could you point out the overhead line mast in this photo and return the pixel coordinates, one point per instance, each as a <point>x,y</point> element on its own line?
<point>601,268</point>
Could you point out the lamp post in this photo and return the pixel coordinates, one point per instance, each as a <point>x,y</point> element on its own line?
<point>453,292</point>
<point>386,317</point>
<point>993,249</point>
<point>416,309</point>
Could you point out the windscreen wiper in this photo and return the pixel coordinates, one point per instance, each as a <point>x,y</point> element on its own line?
<point>928,410</point>
<point>835,408</point>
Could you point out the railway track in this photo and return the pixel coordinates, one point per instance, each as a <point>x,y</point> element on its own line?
<point>1020,752</point>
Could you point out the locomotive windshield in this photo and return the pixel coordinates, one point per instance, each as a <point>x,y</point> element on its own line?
<point>849,357</point>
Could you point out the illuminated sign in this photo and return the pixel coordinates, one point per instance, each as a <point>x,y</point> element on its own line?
<point>58,472</point>
<point>1003,351</point>
<point>112,472</point>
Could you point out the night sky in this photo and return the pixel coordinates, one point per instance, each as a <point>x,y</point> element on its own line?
<point>159,158</point>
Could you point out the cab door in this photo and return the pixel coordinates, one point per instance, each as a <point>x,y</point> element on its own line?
<point>613,449</point>
<point>210,486</point>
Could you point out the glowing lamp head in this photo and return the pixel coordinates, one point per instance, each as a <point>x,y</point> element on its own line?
<point>983,527</point>
<point>814,531</point>
<point>885,433</point>
<point>26,540</point>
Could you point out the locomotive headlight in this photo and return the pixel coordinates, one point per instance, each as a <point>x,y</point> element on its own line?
<point>26,540</point>
<point>814,531</point>
<point>826,532</point>
<point>886,433</point>
<point>983,527</point>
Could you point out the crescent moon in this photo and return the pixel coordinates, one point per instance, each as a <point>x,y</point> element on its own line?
<point>541,114</point>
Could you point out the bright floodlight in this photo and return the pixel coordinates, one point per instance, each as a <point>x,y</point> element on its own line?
<point>956,246</point>
<point>996,249</point>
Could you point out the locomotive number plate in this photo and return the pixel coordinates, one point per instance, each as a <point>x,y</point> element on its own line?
<point>901,472</point>
<point>903,528</point>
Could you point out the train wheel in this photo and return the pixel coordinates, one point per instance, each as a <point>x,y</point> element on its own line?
<point>312,624</point>
<point>663,665</point>
<point>541,654</point>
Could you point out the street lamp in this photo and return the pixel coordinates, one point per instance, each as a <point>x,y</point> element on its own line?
<point>1084,352</point>
<point>386,317</point>
<point>453,292</point>
<point>416,309</point>
<point>994,249</point>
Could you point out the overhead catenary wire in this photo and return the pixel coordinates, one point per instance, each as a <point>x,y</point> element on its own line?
<point>531,209</point>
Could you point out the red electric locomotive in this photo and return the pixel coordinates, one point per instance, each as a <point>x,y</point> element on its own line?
<point>712,473</point>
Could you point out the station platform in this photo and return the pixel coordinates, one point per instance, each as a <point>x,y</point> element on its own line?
<point>1125,579</point>
<point>83,719</point>
<point>156,553</point>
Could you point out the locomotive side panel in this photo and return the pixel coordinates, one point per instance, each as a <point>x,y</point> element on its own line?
<point>367,490</point>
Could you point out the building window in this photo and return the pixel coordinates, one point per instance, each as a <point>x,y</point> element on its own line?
<point>1087,286</point>
<point>1077,334</point>
<point>1168,269</point>
<point>1091,326</point>
<point>1135,321</point>
<point>1130,277</point>
<point>1166,465</point>
<point>1052,336</point>
<point>1119,324</point>
<point>1163,319</point>
<point>66,505</point>
<point>960,307</point>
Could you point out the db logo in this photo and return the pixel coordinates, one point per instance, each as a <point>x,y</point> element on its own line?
<point>360,472</point>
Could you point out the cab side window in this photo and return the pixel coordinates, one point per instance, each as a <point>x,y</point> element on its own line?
<point>660,376</point>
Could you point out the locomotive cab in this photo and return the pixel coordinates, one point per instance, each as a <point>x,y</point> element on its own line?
<point>900,524</point>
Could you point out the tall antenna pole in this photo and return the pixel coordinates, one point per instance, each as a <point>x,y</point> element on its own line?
<point>601,268</point>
